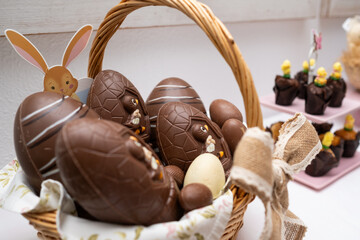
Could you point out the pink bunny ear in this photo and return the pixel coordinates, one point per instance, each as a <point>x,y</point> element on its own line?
<point>26,49</point>
<point>77,44</point>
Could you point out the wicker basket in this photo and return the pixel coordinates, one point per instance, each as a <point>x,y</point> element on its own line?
<point>45,223</point>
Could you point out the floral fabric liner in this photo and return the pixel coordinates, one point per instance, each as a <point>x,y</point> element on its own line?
<point>204,223</point>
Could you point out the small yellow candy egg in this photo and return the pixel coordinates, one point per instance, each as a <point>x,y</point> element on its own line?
<point>208,170</point>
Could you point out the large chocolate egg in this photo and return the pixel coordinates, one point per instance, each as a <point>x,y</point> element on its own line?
<point>222,110</point>
<point>184,133</point>
<point>115,98</point>
<point>38,121</point>
<point>233,130</point>
<point>171,90</point>
<point>114,175</point>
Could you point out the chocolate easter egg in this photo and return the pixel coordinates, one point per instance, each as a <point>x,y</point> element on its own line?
<point>222,110</point>
<point>233,130</point>
<point>38,121</point>
<point>171,90</point>
<point>176,173</point>
<point>184,133</point>
<point>115,98</point>
<point>194,196</point>
<point>114,175</point>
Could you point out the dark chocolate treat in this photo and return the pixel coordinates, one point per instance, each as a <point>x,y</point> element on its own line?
<point>317,99</point>
<point>176,173</point>
<point>114,175</point>
<point>351,141</point>
<point>170,90</point>
<point>233,130</point>
<point>337,145</point>
<point>115,98</point>
<point>184,133</point>
<point>194,196</point>
<point>286,90</point>
<point>302,78</point>
<point>339,90</point>
<point>222,110</point>
<point>322,163</point>
<point>322,128</point>
<point>38,120</point>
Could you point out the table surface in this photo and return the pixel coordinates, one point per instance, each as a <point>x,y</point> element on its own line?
<point>332,213</point>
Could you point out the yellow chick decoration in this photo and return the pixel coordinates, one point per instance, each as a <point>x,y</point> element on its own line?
<point>305,66</point>
<point>327,140</point>
<point>337,69</point>
<point>286,67</point>
<point>320,79</point>
<point>349,122</point>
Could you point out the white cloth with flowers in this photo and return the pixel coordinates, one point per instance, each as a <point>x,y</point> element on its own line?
<point>204,223</point>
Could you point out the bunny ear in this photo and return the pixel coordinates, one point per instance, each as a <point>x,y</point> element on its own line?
<point>26,49</point>
<point>77,44</point>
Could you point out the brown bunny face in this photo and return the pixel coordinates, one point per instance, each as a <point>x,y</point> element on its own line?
<point>58,79</point>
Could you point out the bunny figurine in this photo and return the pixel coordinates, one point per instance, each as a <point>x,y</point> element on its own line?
<point>57,78</point>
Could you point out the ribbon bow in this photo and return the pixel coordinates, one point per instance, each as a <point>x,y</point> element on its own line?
<point>265,172</point>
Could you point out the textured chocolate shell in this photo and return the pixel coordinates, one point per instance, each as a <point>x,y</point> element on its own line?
<point>184,133</point>
<point>38,121</point>
<point>114,175</point>
<point>317,99</point>
<point>339,91</point>
<point>285,90</point>
<point>170,90</point>
<point>115,98</point>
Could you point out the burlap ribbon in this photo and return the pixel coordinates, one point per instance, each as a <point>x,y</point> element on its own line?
<point>260,170</point>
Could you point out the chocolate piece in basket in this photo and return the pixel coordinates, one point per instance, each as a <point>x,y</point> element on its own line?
<point>195,195</point>
<point>318,95</point>
<point>302,78</point>
<point>38,121</point>
<point>325,160</point>
<point>115,98</point>
<point>184,132</point>
<point>350,137</point>
<point>114,175</point>
<point>170,90</point>
<point>337,83</point>
<point>229,118</point>
<point>176,173</point>
<point>286,89</point>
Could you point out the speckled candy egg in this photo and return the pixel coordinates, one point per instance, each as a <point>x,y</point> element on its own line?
<point>114,175</point>
<point>38,121</point>
<point>184,133</point>
<point>115,98</point>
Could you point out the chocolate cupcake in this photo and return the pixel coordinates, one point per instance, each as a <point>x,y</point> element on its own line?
<point>325,160</point>
<point>350,137</point>
<point>286,89</point>
<point>318,95</point>
<point>337,146</point>
<point>274,130</point>
<point>322,128</point>
<point>302,78</point>
<point>338,85</point>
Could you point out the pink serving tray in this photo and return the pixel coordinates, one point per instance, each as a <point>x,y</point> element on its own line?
<point>348,105</point>
<point>345,166</point>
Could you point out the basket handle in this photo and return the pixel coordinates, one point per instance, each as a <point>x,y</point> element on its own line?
<point>205,19</point>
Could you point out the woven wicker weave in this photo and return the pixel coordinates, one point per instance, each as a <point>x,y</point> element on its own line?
<point>45,223</point>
